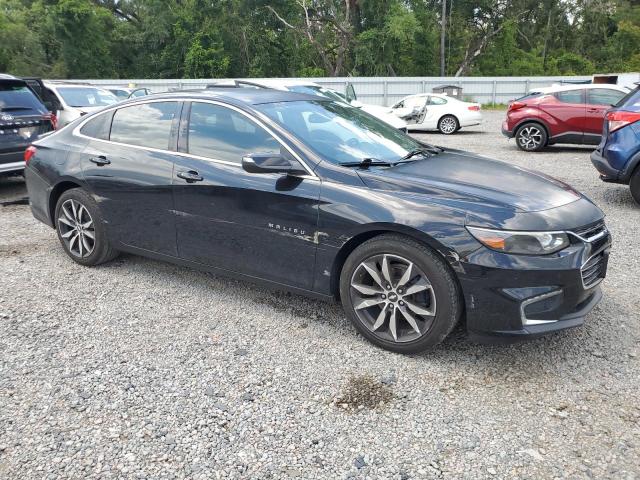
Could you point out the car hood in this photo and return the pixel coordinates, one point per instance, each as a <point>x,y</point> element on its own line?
<point>466,177</point>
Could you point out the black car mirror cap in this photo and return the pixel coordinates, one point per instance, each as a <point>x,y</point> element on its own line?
<point>270,163</point>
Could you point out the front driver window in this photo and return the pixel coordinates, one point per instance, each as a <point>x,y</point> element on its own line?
<point>222,133</point>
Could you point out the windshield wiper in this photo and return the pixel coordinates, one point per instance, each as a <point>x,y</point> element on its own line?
<point>368,162</point>
<point>426,151</point>
<point>10,109</point>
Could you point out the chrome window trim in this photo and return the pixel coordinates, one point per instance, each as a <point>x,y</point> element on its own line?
<point>76,132</point>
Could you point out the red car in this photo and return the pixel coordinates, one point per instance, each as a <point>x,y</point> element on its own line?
<point>566,114</point>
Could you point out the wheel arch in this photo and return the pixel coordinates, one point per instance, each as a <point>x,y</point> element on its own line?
<point>447,115</point>
<point>533,120</point>
<point>56,193</point>
<point>376,230</point>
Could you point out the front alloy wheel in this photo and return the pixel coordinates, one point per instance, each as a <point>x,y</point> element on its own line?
<point>393,298</point>
<point>400,294</point>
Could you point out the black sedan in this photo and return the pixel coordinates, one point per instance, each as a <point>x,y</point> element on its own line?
<point>320,198</point>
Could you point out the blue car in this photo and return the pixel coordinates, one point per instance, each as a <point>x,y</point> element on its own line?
<point>617,158</point>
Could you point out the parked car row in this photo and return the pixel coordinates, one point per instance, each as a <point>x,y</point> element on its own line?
<point>604,115</point>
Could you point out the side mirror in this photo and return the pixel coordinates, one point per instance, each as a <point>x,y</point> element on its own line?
<point>269,163</point>
<point>356,103</point>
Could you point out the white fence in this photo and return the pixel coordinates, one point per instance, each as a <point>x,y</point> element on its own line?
<point>387,90</point>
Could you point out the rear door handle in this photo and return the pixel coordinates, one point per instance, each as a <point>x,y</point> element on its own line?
<point>100,160</point>
<point>190,176</point>
<point>593,110</point>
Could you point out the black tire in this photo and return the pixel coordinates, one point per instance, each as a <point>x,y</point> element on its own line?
<point>101,250</point>
<point>634,185</point>
<point>444,288</point>
<point>448,125</point>
<point>531,137</point>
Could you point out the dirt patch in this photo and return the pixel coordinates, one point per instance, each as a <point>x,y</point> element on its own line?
<point>364,391</point>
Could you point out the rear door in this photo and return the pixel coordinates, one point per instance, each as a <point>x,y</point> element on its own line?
<point>261,225</point>
<point>568,109</point>
<point>599,100</point>
<point>128,165</point>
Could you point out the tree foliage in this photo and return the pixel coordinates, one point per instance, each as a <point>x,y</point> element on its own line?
<point>263,38</point>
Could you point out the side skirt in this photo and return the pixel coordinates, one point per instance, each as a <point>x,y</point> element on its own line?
<point>224,272</point>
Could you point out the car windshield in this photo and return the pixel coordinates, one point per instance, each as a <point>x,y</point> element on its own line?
<point>15,96</point>
<point>318,91</point>
<point>87,96</point>
<point>339,132</point>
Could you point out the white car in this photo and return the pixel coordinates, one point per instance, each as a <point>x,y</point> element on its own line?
<point>433,111</point>
<point>311,88</point>
<point>71,100</point>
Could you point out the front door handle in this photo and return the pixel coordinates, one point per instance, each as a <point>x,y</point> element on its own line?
<point>190,176</point>
<point>100,160</point>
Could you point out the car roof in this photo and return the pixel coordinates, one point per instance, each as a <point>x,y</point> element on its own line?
<point>589,86</point>
<point>55,84</point>
<point>247,96</point>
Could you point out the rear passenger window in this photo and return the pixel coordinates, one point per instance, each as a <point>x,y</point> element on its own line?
<point>570,96</point>
<point>603,96</point>
<point>98,127</point>
<point>221,133</point>
<point>146,125</point>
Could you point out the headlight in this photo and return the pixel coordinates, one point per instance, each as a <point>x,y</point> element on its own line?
<point>524,243</point>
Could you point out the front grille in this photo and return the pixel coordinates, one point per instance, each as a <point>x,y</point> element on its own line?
<point>593,271</point>
<point>590,231</point>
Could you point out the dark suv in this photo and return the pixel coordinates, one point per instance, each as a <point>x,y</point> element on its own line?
<point>23,118</point>
<point>617,158</point>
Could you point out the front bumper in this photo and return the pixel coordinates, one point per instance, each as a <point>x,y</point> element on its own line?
<point>514,297</point>
<point>606,171</point>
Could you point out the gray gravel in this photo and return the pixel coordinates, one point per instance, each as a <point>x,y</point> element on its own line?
<point>139,369</point>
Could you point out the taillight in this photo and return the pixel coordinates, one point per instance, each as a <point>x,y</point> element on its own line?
<point>53,119</point>
<point>474,108</point>
<point>516,105</point>
<point>618,119</point>
<point>29,153</point>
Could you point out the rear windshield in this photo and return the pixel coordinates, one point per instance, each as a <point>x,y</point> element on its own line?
<point>528,96</point>
<point>16,96</point>
<point>631,99</point>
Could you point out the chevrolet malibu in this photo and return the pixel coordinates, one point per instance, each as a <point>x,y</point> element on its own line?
<point>320,198</point>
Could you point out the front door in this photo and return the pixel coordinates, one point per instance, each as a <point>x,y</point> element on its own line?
<point>128,166</point>
<point>263,225</point>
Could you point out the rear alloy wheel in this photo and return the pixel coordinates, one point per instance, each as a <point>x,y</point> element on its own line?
<point>399,294</point>
<point>531,137</point>
<point>448,125</point>
<point>81,230</point>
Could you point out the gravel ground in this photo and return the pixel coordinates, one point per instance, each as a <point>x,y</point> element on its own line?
<point>139,369</point>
